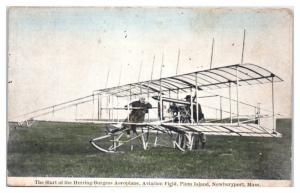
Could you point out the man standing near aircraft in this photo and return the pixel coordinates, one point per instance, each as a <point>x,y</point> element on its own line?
<point>198,137</point>
<point>188,98</point>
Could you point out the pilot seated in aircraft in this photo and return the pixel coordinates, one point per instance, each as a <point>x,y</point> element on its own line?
<point>137,115</point>
<point>188,108</point>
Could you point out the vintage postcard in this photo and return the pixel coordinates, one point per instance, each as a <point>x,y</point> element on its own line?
<point>150,96</point>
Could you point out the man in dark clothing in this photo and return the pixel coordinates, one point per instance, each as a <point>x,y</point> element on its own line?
<point>200,113</point>
<point>137,115</point>
<point>197,137</point>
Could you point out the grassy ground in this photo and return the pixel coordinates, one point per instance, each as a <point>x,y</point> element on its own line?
<point>63,150</point>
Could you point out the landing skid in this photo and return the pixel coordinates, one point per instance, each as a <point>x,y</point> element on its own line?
<point>114,142</point>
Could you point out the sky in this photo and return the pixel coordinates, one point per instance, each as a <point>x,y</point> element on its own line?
<point>59,54</point>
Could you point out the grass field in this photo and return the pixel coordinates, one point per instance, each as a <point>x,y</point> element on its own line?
<point>63,150</point>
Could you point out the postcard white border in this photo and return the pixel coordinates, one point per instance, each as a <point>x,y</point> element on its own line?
<point>143,182</point>
<point>238,3</point>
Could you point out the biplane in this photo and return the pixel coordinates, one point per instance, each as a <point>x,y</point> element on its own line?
<point>186,120</point>
<point>174,116</point>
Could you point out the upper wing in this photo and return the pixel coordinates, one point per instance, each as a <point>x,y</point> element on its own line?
<point>215,78</point>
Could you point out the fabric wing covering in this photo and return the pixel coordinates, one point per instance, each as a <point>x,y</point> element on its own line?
<point>246,130</point>
<point>215,78</point>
